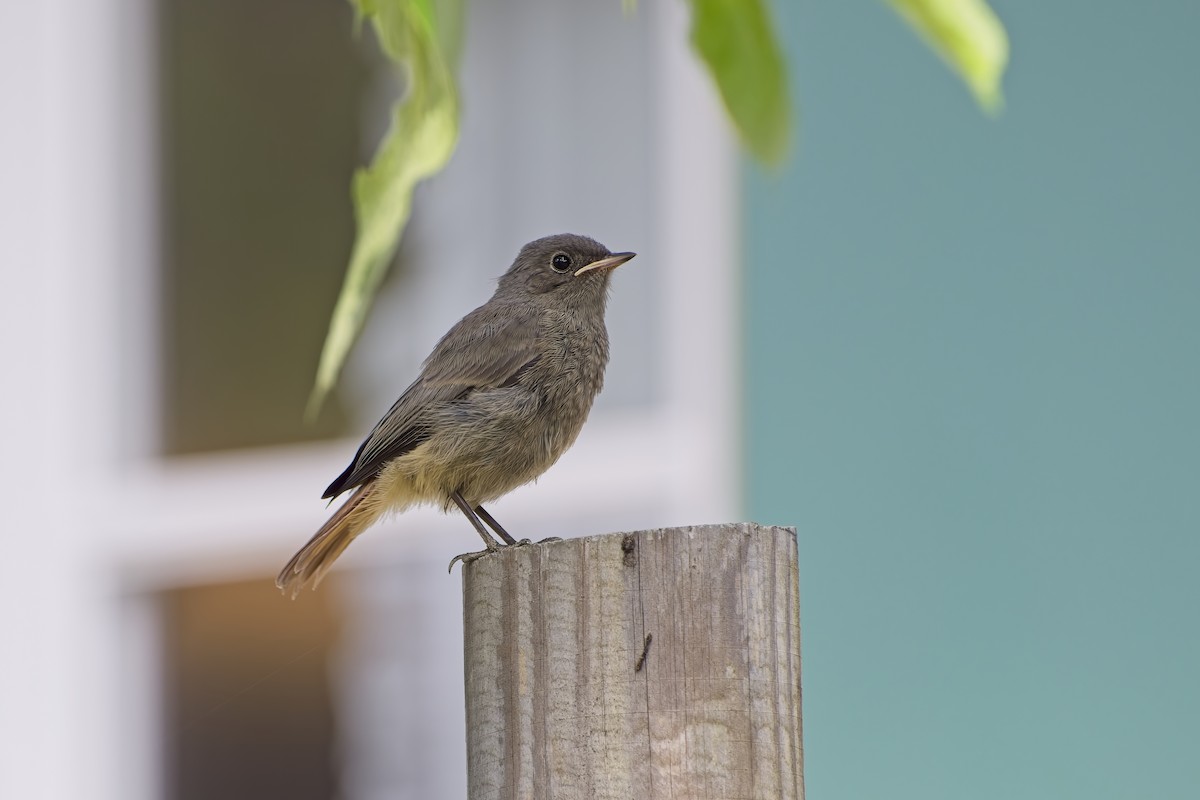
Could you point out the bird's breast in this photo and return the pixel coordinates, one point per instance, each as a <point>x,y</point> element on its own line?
<point>567,377</point>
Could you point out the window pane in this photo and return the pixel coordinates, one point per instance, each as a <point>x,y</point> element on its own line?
<point>261,103</point>
<point>249,709</point>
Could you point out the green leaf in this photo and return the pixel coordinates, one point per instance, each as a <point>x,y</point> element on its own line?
<point>735,40</point>
<point>419,142</point>
<point>969,36</point>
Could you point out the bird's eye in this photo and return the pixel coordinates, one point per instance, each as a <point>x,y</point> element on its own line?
<point>561,262</point>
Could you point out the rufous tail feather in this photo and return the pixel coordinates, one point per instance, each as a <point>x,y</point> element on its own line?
<point>310,564</point>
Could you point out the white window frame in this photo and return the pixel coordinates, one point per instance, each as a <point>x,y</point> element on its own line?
<point>93,520</point>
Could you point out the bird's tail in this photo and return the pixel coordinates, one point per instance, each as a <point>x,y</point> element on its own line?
<point>313,560</point>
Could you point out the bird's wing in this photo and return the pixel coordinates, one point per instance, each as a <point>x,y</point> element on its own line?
<point>483,351</point>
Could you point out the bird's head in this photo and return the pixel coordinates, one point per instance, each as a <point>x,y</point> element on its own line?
<point>565,270</point>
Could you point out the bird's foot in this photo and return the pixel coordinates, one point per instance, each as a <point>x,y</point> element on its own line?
<point>467,558</point>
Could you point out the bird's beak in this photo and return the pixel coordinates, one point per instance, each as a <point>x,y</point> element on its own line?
<point>611,262</point>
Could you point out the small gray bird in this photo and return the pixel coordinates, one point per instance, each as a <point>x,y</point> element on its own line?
<point>499,399</point>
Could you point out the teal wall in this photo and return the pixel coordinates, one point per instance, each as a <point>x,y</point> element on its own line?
<point>973,384</point>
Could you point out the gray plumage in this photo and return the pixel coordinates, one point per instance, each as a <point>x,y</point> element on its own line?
<point>498,401</point>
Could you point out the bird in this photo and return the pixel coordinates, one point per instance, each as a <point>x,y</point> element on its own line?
<point>499,399</point>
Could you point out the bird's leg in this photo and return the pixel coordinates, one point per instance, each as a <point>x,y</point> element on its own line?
<point>480,513</point>
<point>505,535</point>
<point>491,544</point>
<point>491,521</point>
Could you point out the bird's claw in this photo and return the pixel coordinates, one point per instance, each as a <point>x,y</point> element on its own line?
<point>467,558</point>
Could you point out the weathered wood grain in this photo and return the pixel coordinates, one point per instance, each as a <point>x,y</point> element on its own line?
<point>662,664</point>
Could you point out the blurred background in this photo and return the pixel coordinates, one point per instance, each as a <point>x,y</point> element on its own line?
<point>959,354</point>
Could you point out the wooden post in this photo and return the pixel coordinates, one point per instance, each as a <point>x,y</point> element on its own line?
<point>658,664</point>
